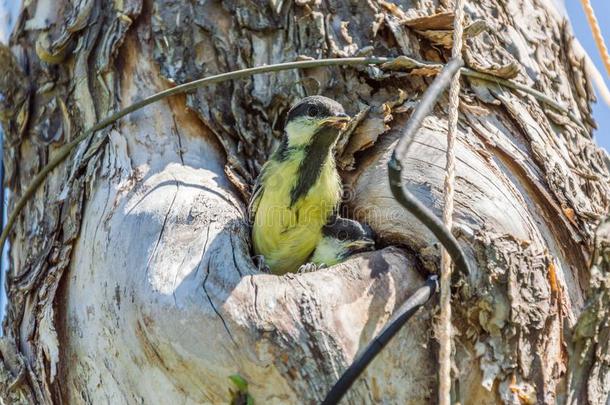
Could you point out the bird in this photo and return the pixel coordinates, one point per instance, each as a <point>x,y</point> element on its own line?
<point>341,238</point>
<point>298,189</point>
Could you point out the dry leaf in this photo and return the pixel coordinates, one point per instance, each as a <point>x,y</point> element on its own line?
<point>366,128</point>
<point>394,9</point>
<point>570,214</point>
<point>439,37</point>
<point>440,21</point>
<point>351,127</point>
<point>445,37</point>
<point>404,63</point>
<point>505,71</point>
<point>427,71</point>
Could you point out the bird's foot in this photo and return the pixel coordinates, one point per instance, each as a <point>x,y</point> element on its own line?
<point>259,262</point>
<point>310,267</point>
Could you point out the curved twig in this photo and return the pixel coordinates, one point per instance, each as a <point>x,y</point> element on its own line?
<point>521,87</point>
<point>424,107</point>
<point>65,150</point>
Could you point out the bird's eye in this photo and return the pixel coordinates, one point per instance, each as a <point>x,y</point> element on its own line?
<point>342,235</point>
<point>312,111</point>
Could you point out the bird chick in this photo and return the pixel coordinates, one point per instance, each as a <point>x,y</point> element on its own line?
<point>299,187</point>
<point>342,238</point>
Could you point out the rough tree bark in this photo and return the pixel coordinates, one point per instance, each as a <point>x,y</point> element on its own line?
<point>131,279</point>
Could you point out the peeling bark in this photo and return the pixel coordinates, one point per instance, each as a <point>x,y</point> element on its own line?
<point>590,359</point>
<point>131,279</point>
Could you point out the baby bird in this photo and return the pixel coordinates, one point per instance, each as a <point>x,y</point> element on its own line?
<point>342,238</point>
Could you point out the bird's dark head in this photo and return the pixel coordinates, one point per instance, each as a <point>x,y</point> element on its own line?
<point>352,236</point>
<point>315,116</point>
<point>341,238</point>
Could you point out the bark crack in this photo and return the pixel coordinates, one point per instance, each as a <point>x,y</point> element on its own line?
<point>101,219</point>
<point>205,280</point>
<point>176,278</point>
<point>205,248</point>
<point>233,254</point>
<point>224,323</point>
<point>180,152</point>
<point>169,209</point>
<point>255,297</point>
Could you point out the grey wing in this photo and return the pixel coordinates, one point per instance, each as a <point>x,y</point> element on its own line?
<point>257,191</point>
<point>255,199</point>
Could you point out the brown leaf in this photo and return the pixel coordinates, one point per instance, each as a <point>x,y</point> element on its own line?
<point>427,71</point>
<point>445,37</point>
<point>404,63</point>
<point>440,21</point>
<point>351,127</point>
<point>506,71</point>
<point>439,37</point>
<point>365,128</point>
<point>570,214</point>
<point>394,9</point>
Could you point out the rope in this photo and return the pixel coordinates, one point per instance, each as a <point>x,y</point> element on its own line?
<point>445,332</point>
<point>597,33</point>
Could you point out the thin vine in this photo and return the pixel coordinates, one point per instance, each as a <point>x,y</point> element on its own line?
<point>65,150</point>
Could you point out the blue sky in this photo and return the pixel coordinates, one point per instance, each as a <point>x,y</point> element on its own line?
<point>601,111</point>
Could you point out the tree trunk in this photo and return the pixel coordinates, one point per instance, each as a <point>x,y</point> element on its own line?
<point>131,279</point>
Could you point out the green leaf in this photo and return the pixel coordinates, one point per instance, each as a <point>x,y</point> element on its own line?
<point>240,382</point>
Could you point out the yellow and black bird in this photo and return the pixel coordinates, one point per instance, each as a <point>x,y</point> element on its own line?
<point>298,188</point>
<point>341,238</point>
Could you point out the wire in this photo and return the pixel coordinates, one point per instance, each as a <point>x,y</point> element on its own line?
<point>404,313</point>
<point>425,216</point>
<point>402,195</point>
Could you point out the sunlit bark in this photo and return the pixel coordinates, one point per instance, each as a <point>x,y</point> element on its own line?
<point>131,279</point>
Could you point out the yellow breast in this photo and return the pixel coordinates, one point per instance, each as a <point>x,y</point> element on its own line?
<point>287,235</point>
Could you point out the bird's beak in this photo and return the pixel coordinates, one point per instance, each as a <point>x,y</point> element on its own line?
<point>337,121</point>
<point>361,245</point>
